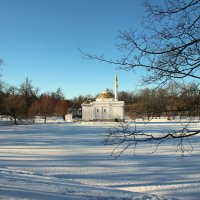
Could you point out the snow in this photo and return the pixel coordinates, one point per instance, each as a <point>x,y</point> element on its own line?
<point>70,161</point>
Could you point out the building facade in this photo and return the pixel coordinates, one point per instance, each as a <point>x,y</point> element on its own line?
<point>105,107</point>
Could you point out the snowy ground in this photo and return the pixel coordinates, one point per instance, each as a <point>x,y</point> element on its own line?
<point>70,161</point>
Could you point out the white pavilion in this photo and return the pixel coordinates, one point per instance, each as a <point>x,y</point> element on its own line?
<point>105,107</point>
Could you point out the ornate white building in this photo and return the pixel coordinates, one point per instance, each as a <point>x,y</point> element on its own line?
<point>105,107</point>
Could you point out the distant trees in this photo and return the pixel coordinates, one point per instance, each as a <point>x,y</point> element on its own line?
<point>25,102</point>
<point>1,89</point>
<point>170,101</point>
<point>28,93</point>
<point>1,61</point>
<point>61,108</point>
<point>42,107</point>
<point>2,99</point>
<point>49,104</point>
<point>184,99</point>
<point>14,106</point>
<point>77,101</point>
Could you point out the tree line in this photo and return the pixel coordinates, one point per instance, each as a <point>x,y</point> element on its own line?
<point>25,102</point>
<point>175,99</point>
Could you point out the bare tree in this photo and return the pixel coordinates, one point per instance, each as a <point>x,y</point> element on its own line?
<point>60,107</point>
<point>124,136</point>
<point>1,83</point>
<point>14,106</point>
<point>1,92</point>
<point>58,95</point>
<point>29,92</point>
<point>45,106</point>
<point>168,49</point>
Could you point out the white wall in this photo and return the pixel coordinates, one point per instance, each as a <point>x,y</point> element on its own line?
<point>103,110</point>
<point>117,112</point>
<point>87,112</point>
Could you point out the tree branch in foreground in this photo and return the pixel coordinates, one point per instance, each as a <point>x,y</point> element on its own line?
<point>124,136</point>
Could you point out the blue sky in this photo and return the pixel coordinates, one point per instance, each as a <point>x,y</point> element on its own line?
<point>39,39</point>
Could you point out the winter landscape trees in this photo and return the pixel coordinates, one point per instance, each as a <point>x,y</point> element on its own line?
<point>167,49</point>
<point>25,102</point>
<point>170,101</point>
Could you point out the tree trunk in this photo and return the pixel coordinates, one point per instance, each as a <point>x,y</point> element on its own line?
<point>15,119</point>
<point>45,119</point>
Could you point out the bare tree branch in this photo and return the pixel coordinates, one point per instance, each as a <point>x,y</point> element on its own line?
<point>168,49</point>
<point>125,136</point>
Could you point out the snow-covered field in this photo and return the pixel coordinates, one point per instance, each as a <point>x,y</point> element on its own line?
<point>70,161</point>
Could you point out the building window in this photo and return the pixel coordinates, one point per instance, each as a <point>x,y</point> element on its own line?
<point>104,110</point>
<point>97,110</point>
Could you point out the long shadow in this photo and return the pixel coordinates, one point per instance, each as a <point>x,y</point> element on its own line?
<point>78,153</point>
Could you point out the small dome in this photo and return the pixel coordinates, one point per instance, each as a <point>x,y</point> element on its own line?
<point>105,95</point>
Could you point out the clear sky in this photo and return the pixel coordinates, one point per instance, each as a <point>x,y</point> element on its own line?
<point>39,39</point>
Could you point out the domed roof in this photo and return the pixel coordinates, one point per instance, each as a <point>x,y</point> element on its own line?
<point>105,95</point>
